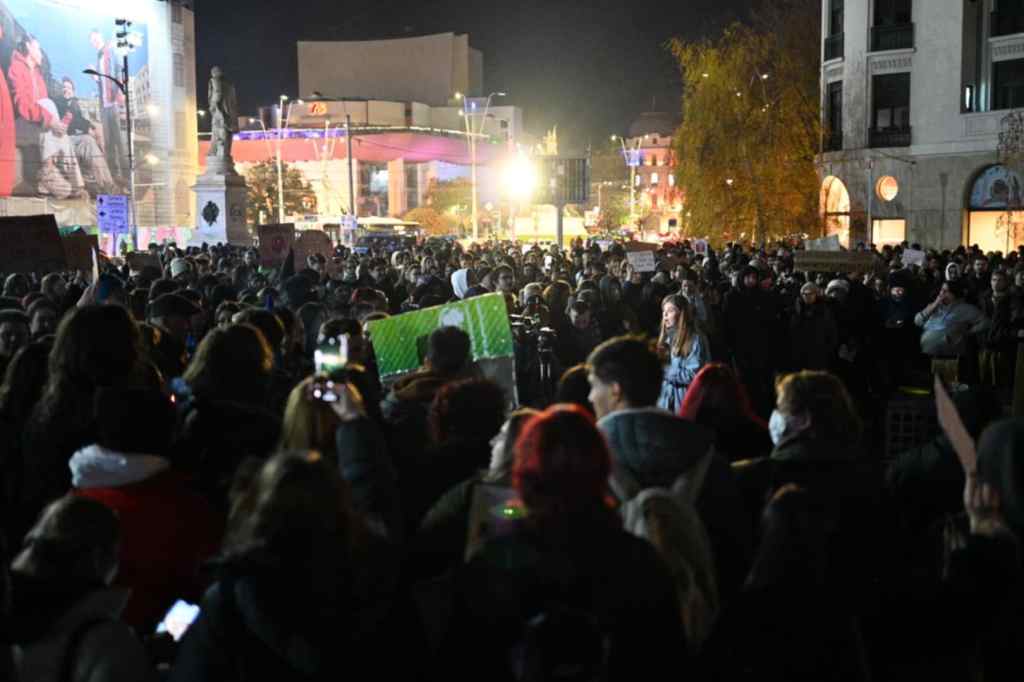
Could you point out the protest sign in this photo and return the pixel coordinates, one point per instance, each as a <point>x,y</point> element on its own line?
<point>829,243</point>
<point>700,247</point>
<point>78,247</point>
<point>275,240</point>
<point>310,242</point>
<point>30,244</point>
<point>137,260</point>
<point>112,213</point>
<point>832,261</point>
<point>914,257</point>
<point>400,342</point>
<point>642,261</point>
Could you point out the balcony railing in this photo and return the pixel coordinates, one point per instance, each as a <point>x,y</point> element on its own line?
<point>893,37</point>
<point>889,137</point>
<point>834,46</point>
<point>1007,23</point>
<point>833,141</point>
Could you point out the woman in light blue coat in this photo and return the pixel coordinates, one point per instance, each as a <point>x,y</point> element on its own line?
<point>687,349</point>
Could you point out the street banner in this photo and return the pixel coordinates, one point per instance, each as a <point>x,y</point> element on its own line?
<point>914,257</point>
<point>30,244</point>
<point>642,261</point>
<point>78,248</point>
<point>833,261</point>
<point>400,342</point>
<point>275,240</point>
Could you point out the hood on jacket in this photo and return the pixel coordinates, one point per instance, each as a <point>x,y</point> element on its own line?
<point>97,467</point>
<point>654,446</point>
<point>1000,464</point>
<point>460,282</point>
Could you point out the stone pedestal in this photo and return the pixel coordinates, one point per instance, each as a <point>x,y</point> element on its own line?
<point>220,205</point>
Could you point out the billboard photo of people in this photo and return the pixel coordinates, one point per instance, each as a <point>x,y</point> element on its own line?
<point>63,132</point>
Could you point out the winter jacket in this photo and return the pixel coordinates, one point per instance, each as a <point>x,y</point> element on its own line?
<point>29,87</point>
<point>366,466</point>
<point>260,623</point>
<point>1006,315</point>
<point>813,337</point>
<point>596,570</point>
<point>167,529</point>
<point>681,372</point>
<point>751,322</point>
<point>80,639</point>
<point>655,448</point>
<point>946,329</point>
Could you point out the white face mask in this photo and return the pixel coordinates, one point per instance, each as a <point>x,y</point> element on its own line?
<point>777,426</point>
<point>780,426</point>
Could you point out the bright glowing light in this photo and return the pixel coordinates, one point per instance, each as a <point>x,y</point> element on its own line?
<point>705,75</point>
<point>152,160</point>
<point>458,95</point>
<point>764,76</point>
<point>201,112</point>
<point>153,109</point>
<point>520,177</point>
<point>729,181</point>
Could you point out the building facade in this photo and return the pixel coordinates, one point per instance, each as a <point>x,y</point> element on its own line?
<point>652,164</point>
<point>915,96</point>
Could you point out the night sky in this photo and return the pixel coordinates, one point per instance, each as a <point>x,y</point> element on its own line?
<point>589,66</point>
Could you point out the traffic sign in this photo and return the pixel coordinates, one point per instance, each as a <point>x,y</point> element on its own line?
<point>112,213</point>
<point>564,180</point>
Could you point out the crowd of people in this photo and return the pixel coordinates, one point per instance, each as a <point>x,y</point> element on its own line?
<point>689,480</point>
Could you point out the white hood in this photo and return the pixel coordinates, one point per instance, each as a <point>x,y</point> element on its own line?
<point>97,467</point>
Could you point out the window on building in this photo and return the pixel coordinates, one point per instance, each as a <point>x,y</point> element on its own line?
<point>891,109</point>
<point>671,180</point>
<point>892,12</point>
<point>835,17</point>
<point>890,117</point>
<point>1008,84</point>
<point>176,12</point>
<point>637,180</point>
<point>373,189</point>
<point>654,179</point>
<point>834,117</point>
<point>661,160</point>
<point>1008,18</point>
<point>178,66</point>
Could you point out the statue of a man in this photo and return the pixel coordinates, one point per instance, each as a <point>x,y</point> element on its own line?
<point>223,114</point>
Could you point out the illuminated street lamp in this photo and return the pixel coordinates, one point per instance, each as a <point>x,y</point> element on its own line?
<point>282,127</point>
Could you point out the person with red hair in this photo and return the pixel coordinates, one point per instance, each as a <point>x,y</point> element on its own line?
<point>717,400</point>
<point>568,559</point>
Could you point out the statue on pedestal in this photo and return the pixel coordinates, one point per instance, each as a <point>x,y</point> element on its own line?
<point>223,117</point>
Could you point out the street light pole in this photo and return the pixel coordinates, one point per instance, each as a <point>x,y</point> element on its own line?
<point>472,132</point>
<point>281,124</point>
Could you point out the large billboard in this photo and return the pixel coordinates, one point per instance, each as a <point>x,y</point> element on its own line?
<point>63,133</point>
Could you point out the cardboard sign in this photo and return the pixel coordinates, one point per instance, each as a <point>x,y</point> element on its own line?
<point>830,261</point>
<point>829,243</point>
<point>642,261</point>
<point>953,425</point>
<point>78,248</point>
<point>137,260</point>
<point>400,342</point>
<point>275,240</point>
<point>31,244</point>
<point>310,242</point>
<point>914,257</point>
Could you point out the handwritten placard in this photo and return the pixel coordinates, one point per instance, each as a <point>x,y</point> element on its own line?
<point>30,244</point>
